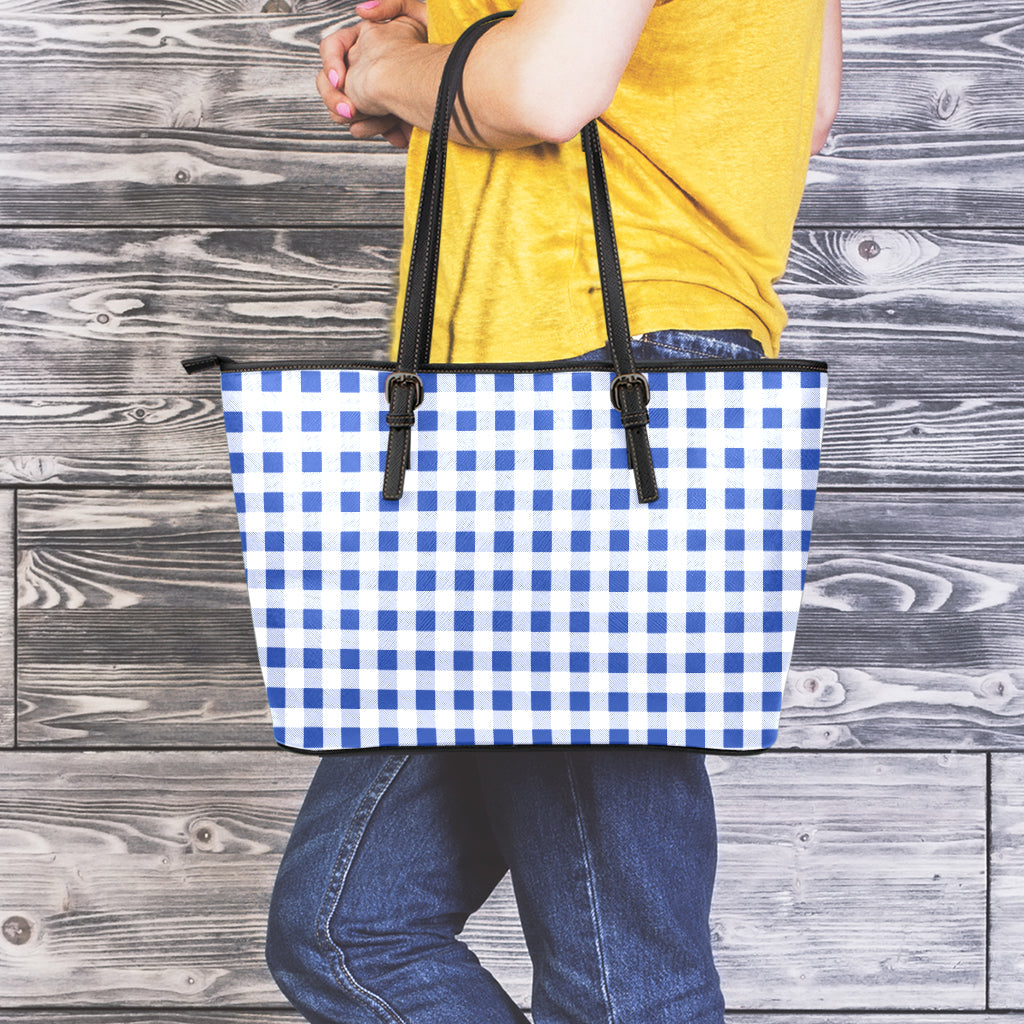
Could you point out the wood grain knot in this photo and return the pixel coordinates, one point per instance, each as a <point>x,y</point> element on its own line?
<point>277,7</point>
<point>946,104</point>
<point>818,688</point>
<point>869,249</point>
<point>182,177</point>
<point>17,930</point>
<point>999,688</point>
<point>206,836</point>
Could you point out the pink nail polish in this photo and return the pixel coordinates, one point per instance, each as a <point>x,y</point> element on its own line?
<point>344,109</point>
<point>333,78</point>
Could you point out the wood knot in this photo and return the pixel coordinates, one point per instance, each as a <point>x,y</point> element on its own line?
<point>17,930</point>
<point>868,249</point>
<point>277,7</point>
<point>1000,686</point>
<point>182,177</point>
<point>817,688</point>
<point>946,104</point>
<point>205,836</point>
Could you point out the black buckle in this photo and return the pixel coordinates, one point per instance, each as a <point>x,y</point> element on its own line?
<point>629,379</point>
<point>402,377</point>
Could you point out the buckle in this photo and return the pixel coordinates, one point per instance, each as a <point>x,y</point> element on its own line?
<point>629,379</point>
<point>402,377</point>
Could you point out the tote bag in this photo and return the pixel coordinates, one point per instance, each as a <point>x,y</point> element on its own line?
<point>541,553</point>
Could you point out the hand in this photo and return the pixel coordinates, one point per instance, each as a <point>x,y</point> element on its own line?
<point>347,83</point>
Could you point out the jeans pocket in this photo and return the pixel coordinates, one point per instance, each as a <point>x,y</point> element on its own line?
<point>682,344</point>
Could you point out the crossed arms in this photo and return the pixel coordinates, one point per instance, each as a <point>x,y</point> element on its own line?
<point>537,77</point>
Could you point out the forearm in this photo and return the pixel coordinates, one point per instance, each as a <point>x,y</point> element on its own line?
<point>406,82</point>
<point>830,75</point>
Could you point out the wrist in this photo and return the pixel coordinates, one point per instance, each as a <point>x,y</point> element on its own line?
<point>410,79</point>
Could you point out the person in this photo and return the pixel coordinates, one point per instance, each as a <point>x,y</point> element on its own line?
<point>709,112</point>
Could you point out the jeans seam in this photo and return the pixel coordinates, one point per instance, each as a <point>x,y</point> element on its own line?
<point>332,952</point>
<point>591,891</point>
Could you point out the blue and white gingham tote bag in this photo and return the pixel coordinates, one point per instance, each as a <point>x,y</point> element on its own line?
<point>553,553</point>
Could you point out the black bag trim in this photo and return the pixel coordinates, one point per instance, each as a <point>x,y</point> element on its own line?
<point>682,365</point>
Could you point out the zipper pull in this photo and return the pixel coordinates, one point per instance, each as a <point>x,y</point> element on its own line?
<point>197,363</point>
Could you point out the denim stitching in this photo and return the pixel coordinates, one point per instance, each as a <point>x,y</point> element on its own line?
<point>591,892</point>
<point>332,898</point>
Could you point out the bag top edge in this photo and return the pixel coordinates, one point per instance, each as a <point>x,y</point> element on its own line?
<point>766,364</point>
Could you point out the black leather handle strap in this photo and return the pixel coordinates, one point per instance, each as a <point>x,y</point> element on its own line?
<point>404,386</point>
<point>421,287</point>
<point>629,392</point>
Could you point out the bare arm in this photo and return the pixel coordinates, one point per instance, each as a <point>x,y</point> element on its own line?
<point>537,77</point>
<point>830,76</point>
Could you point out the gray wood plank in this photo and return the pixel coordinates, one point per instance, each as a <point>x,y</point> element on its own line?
<point>114,311</point>
<point>911,634</point>
<point>911,624</point>
<point>142,878</point>
<point>99,320</point>
<point>315,291</point>
<point>1006,893</point>
<point>842,855</point>
<point>7,607</point>
<point>165,176</point>
<point>159,565</point>
<point>183,177</point>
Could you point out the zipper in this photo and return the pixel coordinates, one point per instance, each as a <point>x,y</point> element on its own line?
<point>199,363</point>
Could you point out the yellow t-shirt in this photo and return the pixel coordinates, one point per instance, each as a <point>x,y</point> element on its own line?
<point>706,145</point>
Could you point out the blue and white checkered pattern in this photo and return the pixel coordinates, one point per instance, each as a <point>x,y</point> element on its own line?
<point>518,593</point>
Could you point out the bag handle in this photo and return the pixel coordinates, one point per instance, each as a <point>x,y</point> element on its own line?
<point>404,389</point>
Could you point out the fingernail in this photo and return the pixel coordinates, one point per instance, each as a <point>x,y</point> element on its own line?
<point>333,78</point>
<point>344,109</point>
<point>369,5</point>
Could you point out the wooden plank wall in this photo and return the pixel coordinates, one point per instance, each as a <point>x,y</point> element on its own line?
<point>169,186</point>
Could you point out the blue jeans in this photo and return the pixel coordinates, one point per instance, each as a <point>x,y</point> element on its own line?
<point>676,344</point>
<point>612,853</point>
